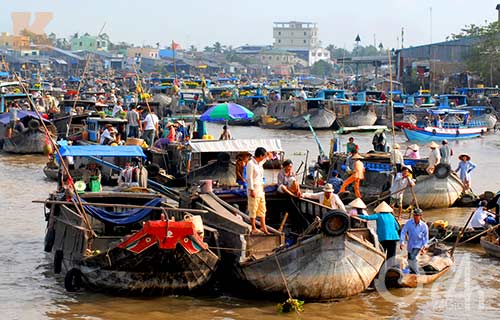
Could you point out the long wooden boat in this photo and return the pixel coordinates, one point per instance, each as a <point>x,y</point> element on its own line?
<point>137,251</point>
<point>490,245</point>
<point>449,233</point>
<point>320,119</point>
<point>324,256</point>
<point>433,265</point>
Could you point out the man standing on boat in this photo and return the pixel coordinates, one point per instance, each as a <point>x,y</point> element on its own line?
<point>255,190</point>
<point>434,157</point>
<point>134,122</point>
<point>397,159</point>
<point>150,127</point>
<point>445,152</point>
<point>418,237</point>
<point>351,146</point>
<point>401,182</point>
<point>357,175</point>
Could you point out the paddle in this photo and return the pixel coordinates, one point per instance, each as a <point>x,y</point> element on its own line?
<point>481,233</point>
<point>461,233</point>
<point>413,195</point>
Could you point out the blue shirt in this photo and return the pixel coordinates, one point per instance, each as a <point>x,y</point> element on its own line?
<point>387,226</point>
<point>418,234</point>
<point>336,182</point>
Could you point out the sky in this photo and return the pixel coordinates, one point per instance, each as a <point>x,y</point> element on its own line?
<point>237,22</point>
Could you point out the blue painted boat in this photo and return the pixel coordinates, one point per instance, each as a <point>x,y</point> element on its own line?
<point>417,134</point>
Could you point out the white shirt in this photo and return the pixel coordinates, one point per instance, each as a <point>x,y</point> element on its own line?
<point>399,184</point>
<point>255,177</point>
<point>117,109</point>
<point>396,157</point>
<point>334,202</point>
<point>151,121</point>
<point>105,134</point>
<point>477,220</point>
<point>434,157</point>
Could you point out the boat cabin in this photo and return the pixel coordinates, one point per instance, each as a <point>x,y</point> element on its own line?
<point>95,126</point>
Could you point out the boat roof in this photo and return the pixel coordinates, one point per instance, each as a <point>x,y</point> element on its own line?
<point>21,114</point>
<point>237,145</point>
<point>101,151</point>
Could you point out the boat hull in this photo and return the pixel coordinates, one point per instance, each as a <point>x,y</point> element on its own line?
<point>490,248</point>
<point>319,268</point>
<point>29,142</point>
<point>432,192</point>
<point>320,119</point>
<point>359,118</point>
<point>424,135</point>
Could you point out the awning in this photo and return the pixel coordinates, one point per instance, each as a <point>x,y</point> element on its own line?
<point>102,151</point>
<point>5,117</point>
<point>60,61</point>
<point>239,145</point>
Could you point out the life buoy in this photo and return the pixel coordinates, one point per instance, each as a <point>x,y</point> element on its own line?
<point>58,258</point>
<point>434,131</point>
<point>442,171</point>
<point>34,124</point>
<point>50,237</point>
<point>73,280</point>
<point>335,223</point>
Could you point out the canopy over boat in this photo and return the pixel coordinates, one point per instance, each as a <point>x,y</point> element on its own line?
<point>5,118</point>
<point>101,151</point>
<point>236,145</point>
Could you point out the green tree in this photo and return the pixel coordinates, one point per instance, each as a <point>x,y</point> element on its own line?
<point>484,56</point>
<point>321,68</point>
<point>217,47</point>
<point>338,53</point>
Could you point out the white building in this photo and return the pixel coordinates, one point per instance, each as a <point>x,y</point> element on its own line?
<point>295,36</point>
<point>317,54</point>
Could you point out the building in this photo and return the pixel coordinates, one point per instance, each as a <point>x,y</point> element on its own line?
<point>277,61</point>
<point>150,53</point>
<point>14,42</point>
<point>295,36</point>
<point>317,54</point>
<point>89,43</point>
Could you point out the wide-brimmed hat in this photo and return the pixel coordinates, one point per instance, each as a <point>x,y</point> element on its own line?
<point>464,155</point>
<point>357,156</point>
<point>328,187</point>
<point>108,125</point>
<point>357,203</point>
<point>396,146</point>
<point>433,145</point>
<point>383,207</point>
<point>169,124</point>
<point>414,147</point>
<point>181,122</point>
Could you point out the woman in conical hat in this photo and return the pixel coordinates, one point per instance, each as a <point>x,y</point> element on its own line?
<point>465,166</point>
<point>387,227</point>
<point>357,207</point>
<point>413,151</point>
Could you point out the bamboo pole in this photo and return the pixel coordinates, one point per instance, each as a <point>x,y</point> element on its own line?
<point>480,234</point>
<point>56,149</point>
<point>461,233</point>
<point>130,206</point>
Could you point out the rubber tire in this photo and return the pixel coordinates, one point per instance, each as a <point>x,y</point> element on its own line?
<point>73,280</point>
<point>58,259</point>
<point>34,124</point>
<point>223,157</point>
<point>434,131</point>
<point>50,237</point>
<point>335,223</point>
<point>442,171</point>
<point>488,111</point>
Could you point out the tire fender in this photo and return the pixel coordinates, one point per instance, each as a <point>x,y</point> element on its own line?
<point>335,223</point>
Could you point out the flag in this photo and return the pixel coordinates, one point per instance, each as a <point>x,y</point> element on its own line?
<point>175,45</point>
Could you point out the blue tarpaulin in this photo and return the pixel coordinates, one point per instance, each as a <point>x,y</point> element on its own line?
<point>125,217</point>
<point>101,151</point>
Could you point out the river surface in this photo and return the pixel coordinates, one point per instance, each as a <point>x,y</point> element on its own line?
<point>29,289</point>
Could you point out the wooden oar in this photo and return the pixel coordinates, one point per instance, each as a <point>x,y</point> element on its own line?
<point>481,233</point>
<point>413,195</point>
<point>461,233</point>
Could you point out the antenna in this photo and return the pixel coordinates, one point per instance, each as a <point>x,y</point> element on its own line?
<point>402,37</point>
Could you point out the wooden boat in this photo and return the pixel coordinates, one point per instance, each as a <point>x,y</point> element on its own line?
<point>324,257</point>
<point>439,190</point>
<point>433,265</point>
<point>31,140</point>
<point>319,118</point>
<point>362,117</point>
<point>444,232</point>
<point>137,251</point>
<point>490,245</point>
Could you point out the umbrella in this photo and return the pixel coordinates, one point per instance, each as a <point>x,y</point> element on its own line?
<point>226,111</point>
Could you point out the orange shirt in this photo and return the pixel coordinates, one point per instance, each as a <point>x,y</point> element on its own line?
<point>359,169</point>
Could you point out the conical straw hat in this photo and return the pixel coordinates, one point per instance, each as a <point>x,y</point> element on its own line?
<point>433,145</point>
<point>357,203</point>
<point>383,207</point>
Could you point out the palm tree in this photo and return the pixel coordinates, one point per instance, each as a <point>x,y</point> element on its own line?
<point>217,47</point>
<point>192,48</point>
